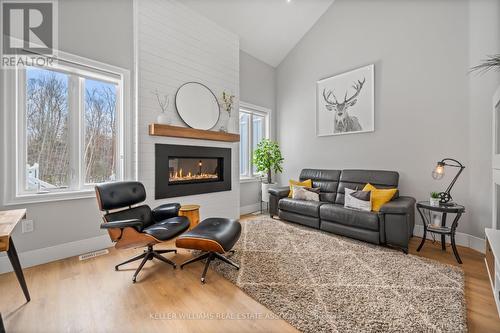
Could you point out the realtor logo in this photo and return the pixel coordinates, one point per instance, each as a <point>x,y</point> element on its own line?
<point>28,27</point>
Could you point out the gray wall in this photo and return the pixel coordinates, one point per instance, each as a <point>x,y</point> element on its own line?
<point>484,39</point>
<point>427,106</point>
<point>101,30</point>
<point>257,86</point>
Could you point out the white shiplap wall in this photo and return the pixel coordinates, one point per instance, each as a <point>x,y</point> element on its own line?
<point>175,45</point>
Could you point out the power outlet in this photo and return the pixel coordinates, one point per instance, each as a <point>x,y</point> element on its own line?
<point>27,226</point>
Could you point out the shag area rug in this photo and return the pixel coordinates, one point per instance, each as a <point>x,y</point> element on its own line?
<point>320,282</point>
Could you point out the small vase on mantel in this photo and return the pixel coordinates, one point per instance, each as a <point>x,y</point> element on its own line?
<point>225,124</point>
<point>227,105</point>
<point>163,119</point>
<point>163,101</point>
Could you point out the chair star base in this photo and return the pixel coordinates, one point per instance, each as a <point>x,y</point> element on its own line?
<point>148,254</point>
<point>209,256</point>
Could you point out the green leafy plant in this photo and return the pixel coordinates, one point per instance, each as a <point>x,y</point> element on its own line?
<point>267,157</point>
<point>434,195</point>
<point>491,62</point>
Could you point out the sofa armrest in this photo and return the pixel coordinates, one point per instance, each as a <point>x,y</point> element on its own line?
<point>275,195</point>
<point>122,224</point>
<point>166,211</point>
<point>280,192</point>
<point>401,205</point>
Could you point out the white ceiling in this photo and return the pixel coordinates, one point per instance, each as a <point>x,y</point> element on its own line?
<point>268,29</point>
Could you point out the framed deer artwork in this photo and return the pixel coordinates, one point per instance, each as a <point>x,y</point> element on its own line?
<point>345,103</point>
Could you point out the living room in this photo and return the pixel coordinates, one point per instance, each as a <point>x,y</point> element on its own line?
<point>255,166</point>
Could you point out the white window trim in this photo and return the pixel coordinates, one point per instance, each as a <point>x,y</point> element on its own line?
<point>255,109</point>
<point>13,138</point>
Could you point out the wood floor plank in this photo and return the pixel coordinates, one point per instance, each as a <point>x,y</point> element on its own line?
<point>482,315</point>
<point>90,296</point>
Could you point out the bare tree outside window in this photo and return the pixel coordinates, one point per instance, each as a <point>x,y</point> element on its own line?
<point>100,131</point>
<point>47,129</point>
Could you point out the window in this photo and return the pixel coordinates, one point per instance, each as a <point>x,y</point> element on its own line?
<point>70,124</point>
<point>254,126</point>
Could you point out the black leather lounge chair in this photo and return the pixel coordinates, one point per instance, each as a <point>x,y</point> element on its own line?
<point>138,226</point>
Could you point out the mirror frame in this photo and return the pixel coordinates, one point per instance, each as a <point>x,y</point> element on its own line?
<point>215,98</point>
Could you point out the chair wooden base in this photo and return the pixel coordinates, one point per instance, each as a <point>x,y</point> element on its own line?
<point>210,256</point>
<point>148,254</point>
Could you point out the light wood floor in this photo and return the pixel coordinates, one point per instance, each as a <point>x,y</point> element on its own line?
<point>482,315</point>
<point>89,296</point>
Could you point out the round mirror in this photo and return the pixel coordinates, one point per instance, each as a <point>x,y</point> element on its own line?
<point>197,105</point>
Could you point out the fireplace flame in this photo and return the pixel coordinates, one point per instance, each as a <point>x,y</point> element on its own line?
<point>178,176</point>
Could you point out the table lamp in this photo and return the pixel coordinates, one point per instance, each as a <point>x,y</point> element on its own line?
<point>438,173</point>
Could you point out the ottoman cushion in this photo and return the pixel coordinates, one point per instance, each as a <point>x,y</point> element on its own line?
<point>213,234</point>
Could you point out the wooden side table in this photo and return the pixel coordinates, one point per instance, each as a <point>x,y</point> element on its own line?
<point>192,212</point>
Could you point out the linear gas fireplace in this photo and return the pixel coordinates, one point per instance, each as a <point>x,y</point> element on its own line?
<point>188,170</point>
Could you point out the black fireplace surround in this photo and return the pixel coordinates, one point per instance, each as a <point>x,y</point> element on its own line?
<point>188,170</point>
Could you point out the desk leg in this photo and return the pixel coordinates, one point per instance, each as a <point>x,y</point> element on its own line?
<point>2,328</point>
<point>14,260</point>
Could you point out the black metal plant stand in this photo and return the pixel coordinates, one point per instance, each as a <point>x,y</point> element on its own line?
<point>442,230</point>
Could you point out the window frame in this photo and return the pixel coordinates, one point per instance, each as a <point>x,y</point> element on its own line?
<point>252,109</point>
<point>15,147</point>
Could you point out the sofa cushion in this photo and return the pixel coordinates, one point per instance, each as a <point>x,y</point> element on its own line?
<point>350,217</point>
<point>308,208</point>
<point>357,179</point>
<point>326,180</point>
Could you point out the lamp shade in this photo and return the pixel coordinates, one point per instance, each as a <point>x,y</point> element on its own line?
<point>438,171</point>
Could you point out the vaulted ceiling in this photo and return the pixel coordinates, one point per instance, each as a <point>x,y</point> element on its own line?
<point>268,29</point>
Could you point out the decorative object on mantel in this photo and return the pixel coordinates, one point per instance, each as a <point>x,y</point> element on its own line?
<point>197,106</point>
<point>191,133</point>
<point>438,173</point>
<point>163,102</point>
<point>227,105</point>
<point>352,113</point>
<point>266,158</point>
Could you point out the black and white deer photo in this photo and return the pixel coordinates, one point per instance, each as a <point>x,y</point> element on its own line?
<point>345,103</point>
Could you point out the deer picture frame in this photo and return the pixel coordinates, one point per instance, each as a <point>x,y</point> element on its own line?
<point>345,103</point>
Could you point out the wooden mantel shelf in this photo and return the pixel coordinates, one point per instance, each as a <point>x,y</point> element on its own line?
<point>191,133</point>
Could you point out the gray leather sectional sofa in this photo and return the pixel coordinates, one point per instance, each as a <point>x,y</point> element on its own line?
<point>392,226</point>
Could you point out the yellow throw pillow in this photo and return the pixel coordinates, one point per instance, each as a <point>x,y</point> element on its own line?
<point>306,183</point>
<point>380,196</point>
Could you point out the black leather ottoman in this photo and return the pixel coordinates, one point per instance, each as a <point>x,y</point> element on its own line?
<point>214,236</point>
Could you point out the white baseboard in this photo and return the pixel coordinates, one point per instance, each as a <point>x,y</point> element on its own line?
<point>52,253</point>
<point>461,239</point>
<point>250,209</point>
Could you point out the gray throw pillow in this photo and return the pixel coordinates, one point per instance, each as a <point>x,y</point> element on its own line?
<point>360,200</point>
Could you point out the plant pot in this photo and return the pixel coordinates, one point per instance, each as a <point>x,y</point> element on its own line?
<point>434,202</point>
<point>265,191</point>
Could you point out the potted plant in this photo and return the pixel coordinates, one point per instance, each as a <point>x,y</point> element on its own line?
<point>434,199</point>
<point>267,158</point>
